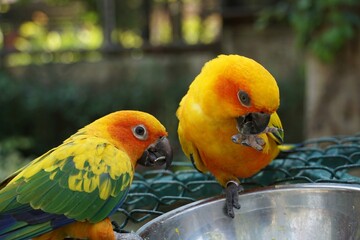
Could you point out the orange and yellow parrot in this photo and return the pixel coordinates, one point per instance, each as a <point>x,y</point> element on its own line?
<point>71,190</point>
<point>228,123</point>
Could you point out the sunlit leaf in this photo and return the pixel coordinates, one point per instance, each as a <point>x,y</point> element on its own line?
<point>22,44</point>
<point>211,28</point>
<point>17,59</point>
<point>53,41</point>
<point>130,39</point>
<point>30,29</point>
<point>90,36</point>
<point>191,29</point>
<point>1,39</point>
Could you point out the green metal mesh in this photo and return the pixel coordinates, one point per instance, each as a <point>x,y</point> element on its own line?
<point>331,159</point>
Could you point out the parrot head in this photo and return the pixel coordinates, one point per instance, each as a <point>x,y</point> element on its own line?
<point>240,88</point>
<point>140,134</point>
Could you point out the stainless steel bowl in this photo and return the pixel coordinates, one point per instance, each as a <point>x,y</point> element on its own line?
<point>301,211</point>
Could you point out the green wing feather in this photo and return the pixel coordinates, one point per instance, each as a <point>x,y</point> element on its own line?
<point>278,134</point>
<point>85,178</point>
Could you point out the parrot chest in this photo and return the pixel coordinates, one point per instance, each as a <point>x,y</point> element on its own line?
<point>212,139</point>
<point>220,154</point>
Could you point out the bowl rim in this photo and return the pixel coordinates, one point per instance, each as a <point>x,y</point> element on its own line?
<point>258,190</point>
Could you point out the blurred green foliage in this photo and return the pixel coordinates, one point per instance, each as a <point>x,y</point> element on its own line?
<point>322,26</point>
<point>11,156</point>
<point>45,114</point>
<point>64,31</point>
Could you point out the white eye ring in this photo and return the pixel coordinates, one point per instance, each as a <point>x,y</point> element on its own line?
<point>244,98</point>
<point>140,132</point>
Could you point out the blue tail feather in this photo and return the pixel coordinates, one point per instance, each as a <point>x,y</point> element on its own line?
<point>29,224</point>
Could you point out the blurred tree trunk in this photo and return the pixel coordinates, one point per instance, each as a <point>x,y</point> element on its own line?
<point>108,23</point>
<point>175,10</point>
<point>333,94</point>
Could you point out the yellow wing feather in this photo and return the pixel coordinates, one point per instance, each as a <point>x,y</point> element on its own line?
<point>92,156</point>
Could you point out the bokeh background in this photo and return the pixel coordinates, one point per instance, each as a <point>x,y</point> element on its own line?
<point>64,63</point>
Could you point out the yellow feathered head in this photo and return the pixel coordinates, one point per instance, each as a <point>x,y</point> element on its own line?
<point>234,86</point>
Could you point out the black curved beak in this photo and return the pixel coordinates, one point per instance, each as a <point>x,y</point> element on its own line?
<point>157,154</point>
<point>252,123</point>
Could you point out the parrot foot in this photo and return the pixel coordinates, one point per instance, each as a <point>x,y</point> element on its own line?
<point>249,140</point>
<point>127,236</point>
<point>116,227</point>
<point>253,140</point>
<point>232,197</point>
<point>123,235</point>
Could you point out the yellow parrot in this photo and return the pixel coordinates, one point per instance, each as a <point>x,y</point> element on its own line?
<point>71,190</point>
<point>228,123</point>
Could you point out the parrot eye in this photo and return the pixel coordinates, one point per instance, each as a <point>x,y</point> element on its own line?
<point>244,98</point>
<point>140,132</point>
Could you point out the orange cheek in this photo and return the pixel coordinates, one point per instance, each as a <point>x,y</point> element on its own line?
<point>227,89</point>
<point>118,133</point>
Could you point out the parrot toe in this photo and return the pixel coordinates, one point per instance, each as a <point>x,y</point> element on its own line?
<point>232,197</point>
<point>253,141</point>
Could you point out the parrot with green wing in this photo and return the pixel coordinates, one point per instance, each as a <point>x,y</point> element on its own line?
<point>71,190</point>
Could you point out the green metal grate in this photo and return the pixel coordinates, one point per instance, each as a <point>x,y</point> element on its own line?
<point>331,159</point>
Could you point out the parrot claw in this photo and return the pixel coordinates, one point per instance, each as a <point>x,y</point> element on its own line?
<point>249,140</point>
<point>232,197</point>
<point>272,130</point>
<point>116,226</point>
